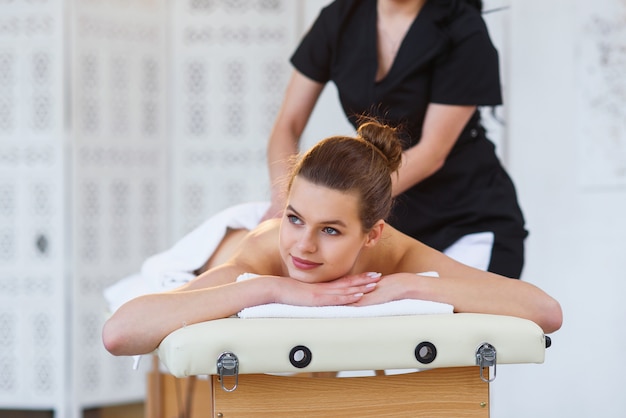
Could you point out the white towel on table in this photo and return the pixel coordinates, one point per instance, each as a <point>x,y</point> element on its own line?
<point>176,266</point>
<point>393,308</point>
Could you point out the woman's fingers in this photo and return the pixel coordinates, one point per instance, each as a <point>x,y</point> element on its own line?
<point>347,290</point>
<point>343,291</point>
<point>355,281</point>
<point>337,299</point>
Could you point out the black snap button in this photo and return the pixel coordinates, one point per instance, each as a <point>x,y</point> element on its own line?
<point>425,352</point>
<point>300,356</point>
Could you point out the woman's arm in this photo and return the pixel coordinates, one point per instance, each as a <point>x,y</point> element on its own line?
<point>442,126</point>
<point>491,294</point>
<point>300,98</point>
<point>139,326</point>
<point>468,290</point>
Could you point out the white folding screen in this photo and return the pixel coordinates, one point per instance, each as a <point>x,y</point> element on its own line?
<point>123,124</point>
<point>229,70</point>
<point>33,310</point>
<point>82,190</point>
<point>118,174</point>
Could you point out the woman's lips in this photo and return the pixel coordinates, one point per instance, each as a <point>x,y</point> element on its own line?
<point>301,264</point>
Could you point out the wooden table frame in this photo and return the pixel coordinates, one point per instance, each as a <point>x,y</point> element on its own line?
<point>455,392</point>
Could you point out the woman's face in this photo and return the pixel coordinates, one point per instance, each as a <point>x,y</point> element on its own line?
<point>321,234</point>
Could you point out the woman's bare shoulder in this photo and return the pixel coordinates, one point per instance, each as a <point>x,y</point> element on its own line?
<point>394,238</point>
<point>405,253</point>
<point>259,248</point>
<point>265,231</point>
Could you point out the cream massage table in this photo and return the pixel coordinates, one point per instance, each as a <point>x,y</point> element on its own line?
<point>263,367</point>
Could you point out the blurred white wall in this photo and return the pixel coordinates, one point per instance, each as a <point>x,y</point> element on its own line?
<point>567,155</point>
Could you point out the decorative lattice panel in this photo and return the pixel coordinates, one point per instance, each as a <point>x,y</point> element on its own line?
<point>32,281</point>
<point>229,76</point>
<point>33,313</point>
<point>119,176</point>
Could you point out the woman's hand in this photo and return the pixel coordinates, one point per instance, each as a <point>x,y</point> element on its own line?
<point>343,291</point>
<point>391,287</point>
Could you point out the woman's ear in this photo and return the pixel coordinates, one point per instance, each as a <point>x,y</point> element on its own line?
<point>375,233</point>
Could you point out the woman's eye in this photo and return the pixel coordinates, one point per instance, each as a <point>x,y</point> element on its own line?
<point>294,219</point>
<point>330,231</point>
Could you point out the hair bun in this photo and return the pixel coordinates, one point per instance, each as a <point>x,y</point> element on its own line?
<point>385,139</point>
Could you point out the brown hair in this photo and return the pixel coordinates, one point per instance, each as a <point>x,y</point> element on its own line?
<point>361,164</point>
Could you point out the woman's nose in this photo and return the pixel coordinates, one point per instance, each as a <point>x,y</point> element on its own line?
<point>306,243</point>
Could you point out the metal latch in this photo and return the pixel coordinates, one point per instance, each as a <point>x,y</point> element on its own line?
<point>228,365</point>
<point>486,357</point>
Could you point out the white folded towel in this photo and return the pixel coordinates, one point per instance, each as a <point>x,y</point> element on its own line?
<point>176,266</point>
<point>393,308</point>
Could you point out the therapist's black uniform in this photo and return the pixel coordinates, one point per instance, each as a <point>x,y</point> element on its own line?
<point>446,57</point>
